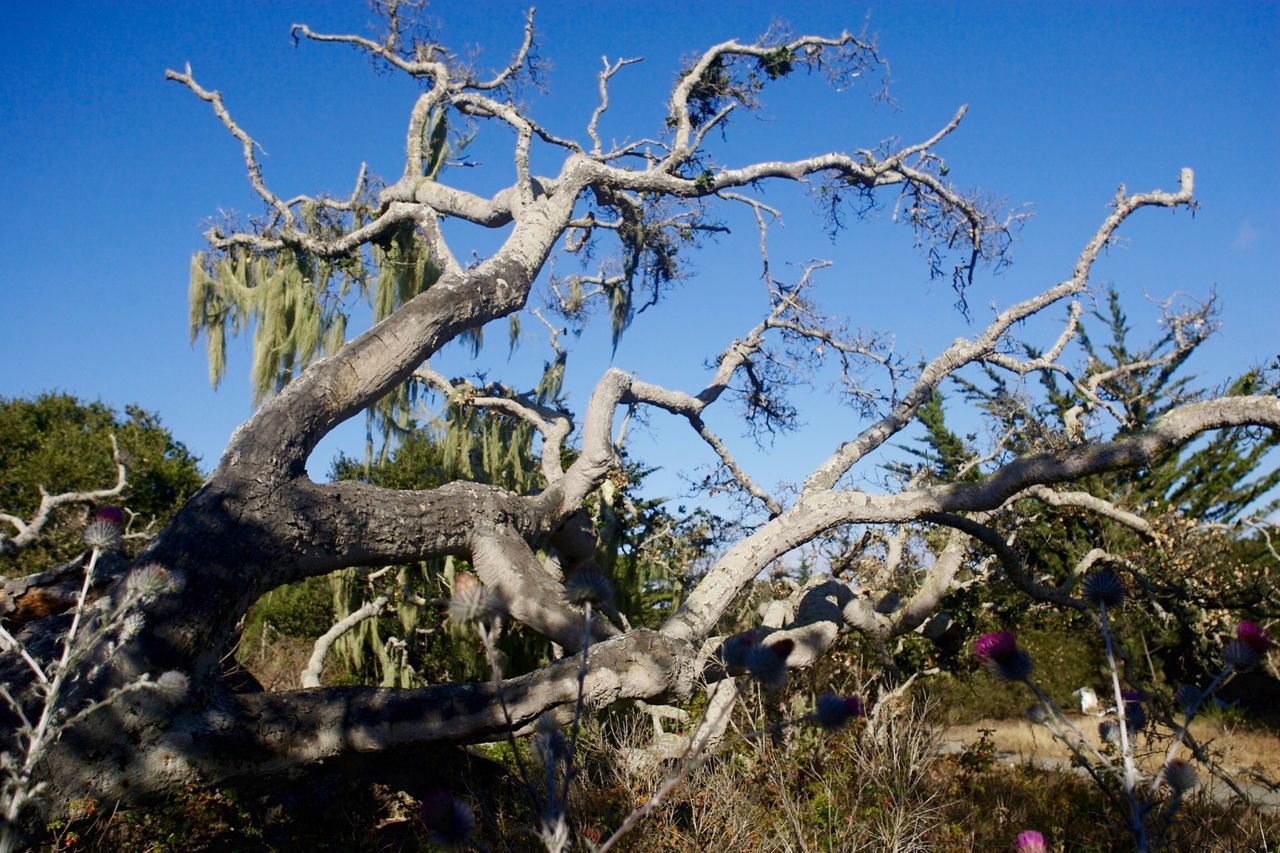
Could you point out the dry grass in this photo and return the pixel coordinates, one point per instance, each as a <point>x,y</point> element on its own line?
<point>278,666</point>
<point>1237,748</point>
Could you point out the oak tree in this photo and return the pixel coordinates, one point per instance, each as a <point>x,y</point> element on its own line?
<point>260,522</point>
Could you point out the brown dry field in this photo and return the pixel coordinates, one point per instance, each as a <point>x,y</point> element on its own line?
<point>1239,750</point>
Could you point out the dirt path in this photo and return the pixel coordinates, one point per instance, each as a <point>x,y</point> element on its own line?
<point>1240,752</point>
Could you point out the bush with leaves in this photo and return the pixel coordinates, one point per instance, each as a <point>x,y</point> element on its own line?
<point>62,444</point>
<point>1190,528</point>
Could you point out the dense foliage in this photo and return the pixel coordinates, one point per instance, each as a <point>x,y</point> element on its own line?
<point>1199,566</point>
<point>63,444</point>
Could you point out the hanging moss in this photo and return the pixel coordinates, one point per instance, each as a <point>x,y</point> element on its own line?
<point>297,304</point>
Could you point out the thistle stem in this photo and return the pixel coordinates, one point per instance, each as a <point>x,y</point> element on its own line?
<point>1136,823</point>
<point>38,737</point>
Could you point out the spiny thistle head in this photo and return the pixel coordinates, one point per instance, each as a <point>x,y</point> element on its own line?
<point>1135,715</point>
<point>470,601</point>
<point>548,741</point>
<point>734,651</point>
<point>172,685</point>
<point>448,820</point>
<point>1029,841</point>
<point>1187,696</point>
<point>105,529</point>
<point>588,586</point>
<point>1254,636</point>
<point>151,580</point>
<point>1240,656</point>
<point>1109,731</point>
<point>1180,775</point>
<point>999,653</point>
<point>768,664</point>
<point>834,711</point>
<point>1103,587</point>
<point>130,627</point>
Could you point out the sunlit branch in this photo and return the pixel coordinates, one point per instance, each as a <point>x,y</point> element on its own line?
<point>1084,500</point>
<point>246,141</point>
<point>964,352</point>
<point>610,69</point>
<point>29,530</point>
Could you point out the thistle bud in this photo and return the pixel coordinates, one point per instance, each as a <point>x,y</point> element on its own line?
<point>151,580</point>
<point>448,820</point>
<point>734,651</point>
<point>1179,775</point>
<point>548,741</point>
<point>834,711</point>
<point>172,685</point>
<point>1104,587</point>
<point>1187,696</point>
<point>1240,656</point>
<point>470,601</point>
<point>588,586</point>
<point>768,664</point>
<point>1135,716</point>
<point>1109,731</point>
<point>105,529</point>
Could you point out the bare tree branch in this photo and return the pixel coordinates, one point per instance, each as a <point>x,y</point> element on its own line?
<point>29,530</point>
<point>964,352</point>
<point>310,676</point>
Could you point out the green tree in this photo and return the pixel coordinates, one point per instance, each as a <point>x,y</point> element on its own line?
<point>1190,560</point>
<point>647,552</point>
<point>63,444</point>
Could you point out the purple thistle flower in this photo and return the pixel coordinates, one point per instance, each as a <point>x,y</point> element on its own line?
<point>995,646</point>
<point>1254,636</point>
<point>115,515</point>
<point>1029,841</point>
<point>999,652</point>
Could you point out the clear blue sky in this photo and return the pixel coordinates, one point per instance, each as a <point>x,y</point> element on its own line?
<point>110,173</point>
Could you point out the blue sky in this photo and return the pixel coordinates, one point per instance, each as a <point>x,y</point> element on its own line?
<point>111,173</point>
